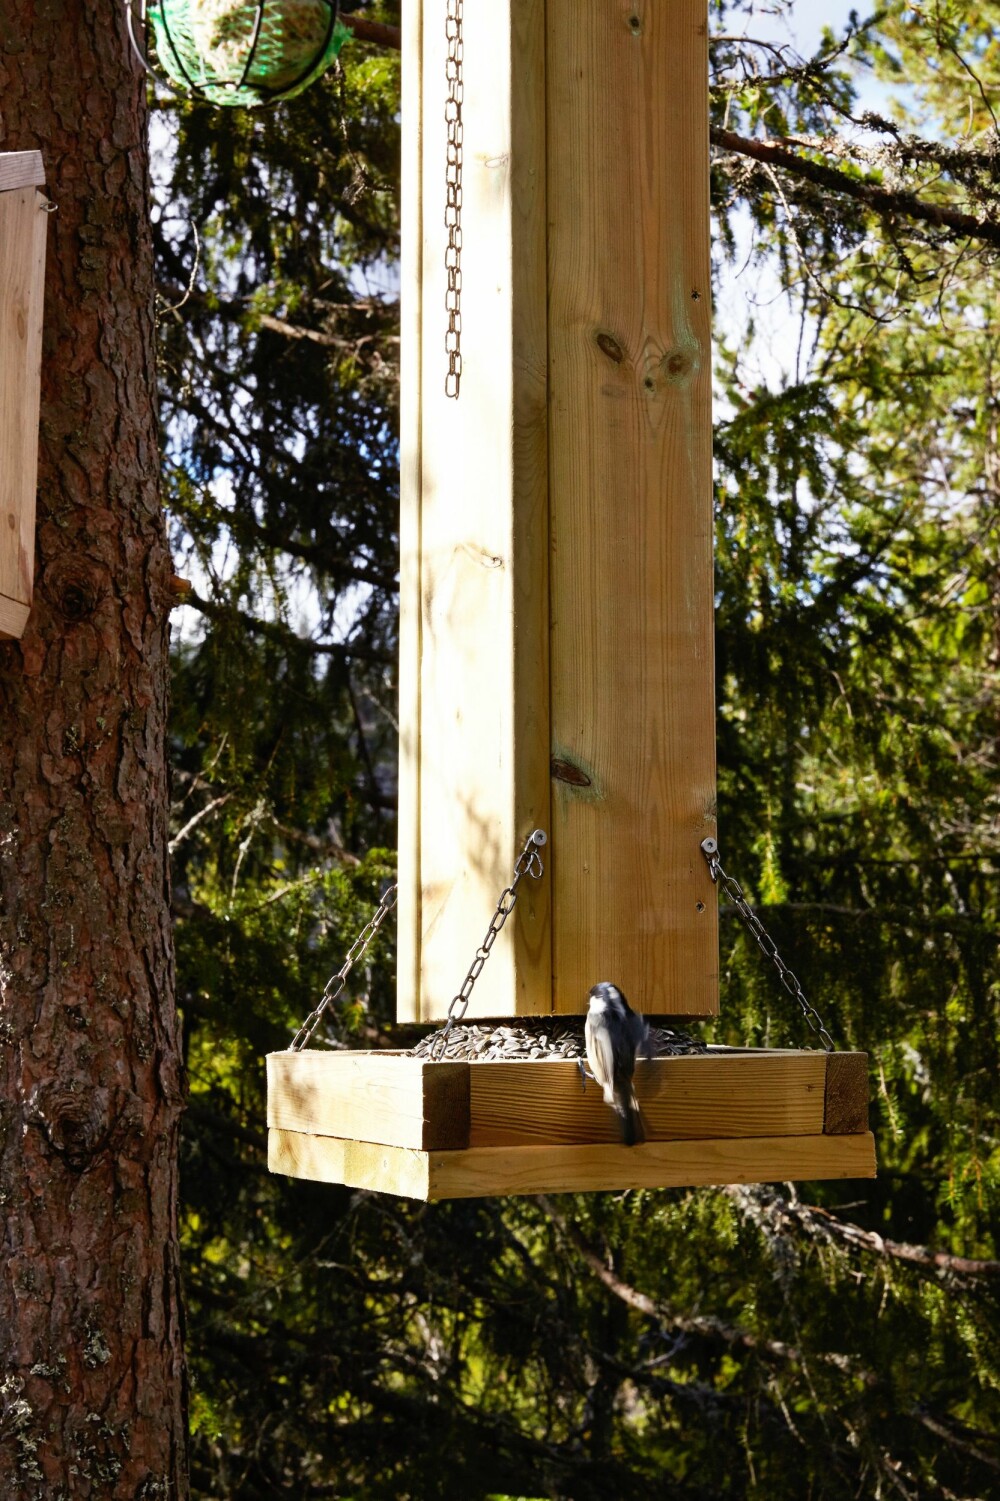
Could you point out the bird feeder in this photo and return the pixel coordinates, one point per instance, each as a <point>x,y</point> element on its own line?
<point>241,52</point>
<point>22,286</point>
<point>556,638</point>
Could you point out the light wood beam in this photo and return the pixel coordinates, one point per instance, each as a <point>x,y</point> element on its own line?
<point>633,732</point>
<point>474,748</point>
<point>22,289</point>
<point>21,169</point>
<point>569,1169</point>
<point>376,1097</point>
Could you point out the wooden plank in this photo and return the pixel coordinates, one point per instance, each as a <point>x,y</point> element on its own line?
<point>673,1164</point>
<point>22,290</point>
<point>13,615</point>
<point>770,1094</point>
<point>481,742</point>
<point>632,711</point>
<point>846,1108</point>
<point>493,1171</point>
<point>358,1164</point>
<point>408,823</point>
<point>21,169</point>
<point>376,1097</point>
<point>396,1099</point>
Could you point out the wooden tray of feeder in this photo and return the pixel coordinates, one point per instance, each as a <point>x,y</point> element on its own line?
<point>440,1130</point>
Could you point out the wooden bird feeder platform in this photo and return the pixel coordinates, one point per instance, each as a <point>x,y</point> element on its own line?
<point>557,625</point>
<point>430,1130</point>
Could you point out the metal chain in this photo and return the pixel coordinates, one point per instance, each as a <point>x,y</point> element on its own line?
<point>453,195</point>
<point>765,943</point>
<point>336,982</point>
<point>528,863</point>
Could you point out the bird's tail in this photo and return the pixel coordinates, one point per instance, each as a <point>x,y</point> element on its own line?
<point>627,1108</point>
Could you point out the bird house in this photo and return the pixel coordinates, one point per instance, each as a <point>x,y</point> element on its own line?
<point>22,279</point>
<point>556,633</point>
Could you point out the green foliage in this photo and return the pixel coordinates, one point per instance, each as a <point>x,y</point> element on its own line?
<point>719,1343</point>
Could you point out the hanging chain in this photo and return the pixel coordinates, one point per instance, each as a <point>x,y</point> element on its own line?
<point>453,195</point>
<point>336,982</point>
<point>765,942</point>
<point>528,863</point>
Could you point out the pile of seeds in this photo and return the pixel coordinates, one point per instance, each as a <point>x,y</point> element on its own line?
<point>537,1037</point>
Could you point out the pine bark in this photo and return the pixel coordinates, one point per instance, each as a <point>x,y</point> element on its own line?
<point>92,1388</point>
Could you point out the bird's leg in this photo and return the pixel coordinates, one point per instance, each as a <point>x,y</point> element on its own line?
<point>584,1076</point>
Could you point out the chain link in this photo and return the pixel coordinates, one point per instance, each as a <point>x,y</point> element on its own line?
<point>528,863</point>
<point>336,982</point>
<point>453,195</point>
<point>764,941</point>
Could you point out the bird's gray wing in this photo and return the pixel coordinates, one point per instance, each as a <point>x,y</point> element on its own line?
<point>639,1030</point>
<point>600,1056</point>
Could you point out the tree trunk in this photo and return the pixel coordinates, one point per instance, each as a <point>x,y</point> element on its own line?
<point>92,1387</point>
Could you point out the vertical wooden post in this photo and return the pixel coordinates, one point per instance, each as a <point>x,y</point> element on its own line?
<point>22,277</point>
<point>557,569</point>
<point>474,773</point>
<point>630,495</point>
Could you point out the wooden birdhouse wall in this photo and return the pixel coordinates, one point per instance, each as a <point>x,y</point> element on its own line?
<point>556,661</point>
<point>22,277</point>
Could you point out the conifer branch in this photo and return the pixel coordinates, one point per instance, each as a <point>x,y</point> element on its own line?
<point>822,1224</point>
<point>704,1325</point>
<point>887,202</point>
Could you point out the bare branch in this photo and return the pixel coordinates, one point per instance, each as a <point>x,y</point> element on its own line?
<point>823,1224</point>
<point>375,31</point>
<point>317,336</point>
<point>192,823</point>
<point>283,636</point>
<point>881,200</point>
<point>704,1325</point>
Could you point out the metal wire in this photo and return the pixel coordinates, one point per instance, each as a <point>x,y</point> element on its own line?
<point>764,941</point>
<point>336,982</point>
<point>453,195</point>
<point>528,863</point>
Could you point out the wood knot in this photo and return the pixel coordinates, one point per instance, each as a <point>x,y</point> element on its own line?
<point>565,771</point>
<point>75,1122</point>
<point>677,364</point>
<point>75,586</point>
<point>610,346</point>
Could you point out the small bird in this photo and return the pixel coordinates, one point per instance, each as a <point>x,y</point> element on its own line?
<point>614,1033</point>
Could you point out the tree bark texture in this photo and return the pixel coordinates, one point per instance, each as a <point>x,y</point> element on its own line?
<point>92,1387</point>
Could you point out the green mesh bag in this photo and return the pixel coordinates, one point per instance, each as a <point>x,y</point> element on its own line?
<point>240,53</point>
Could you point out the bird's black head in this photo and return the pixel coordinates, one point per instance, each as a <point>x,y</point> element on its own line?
<point>609,994</point>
